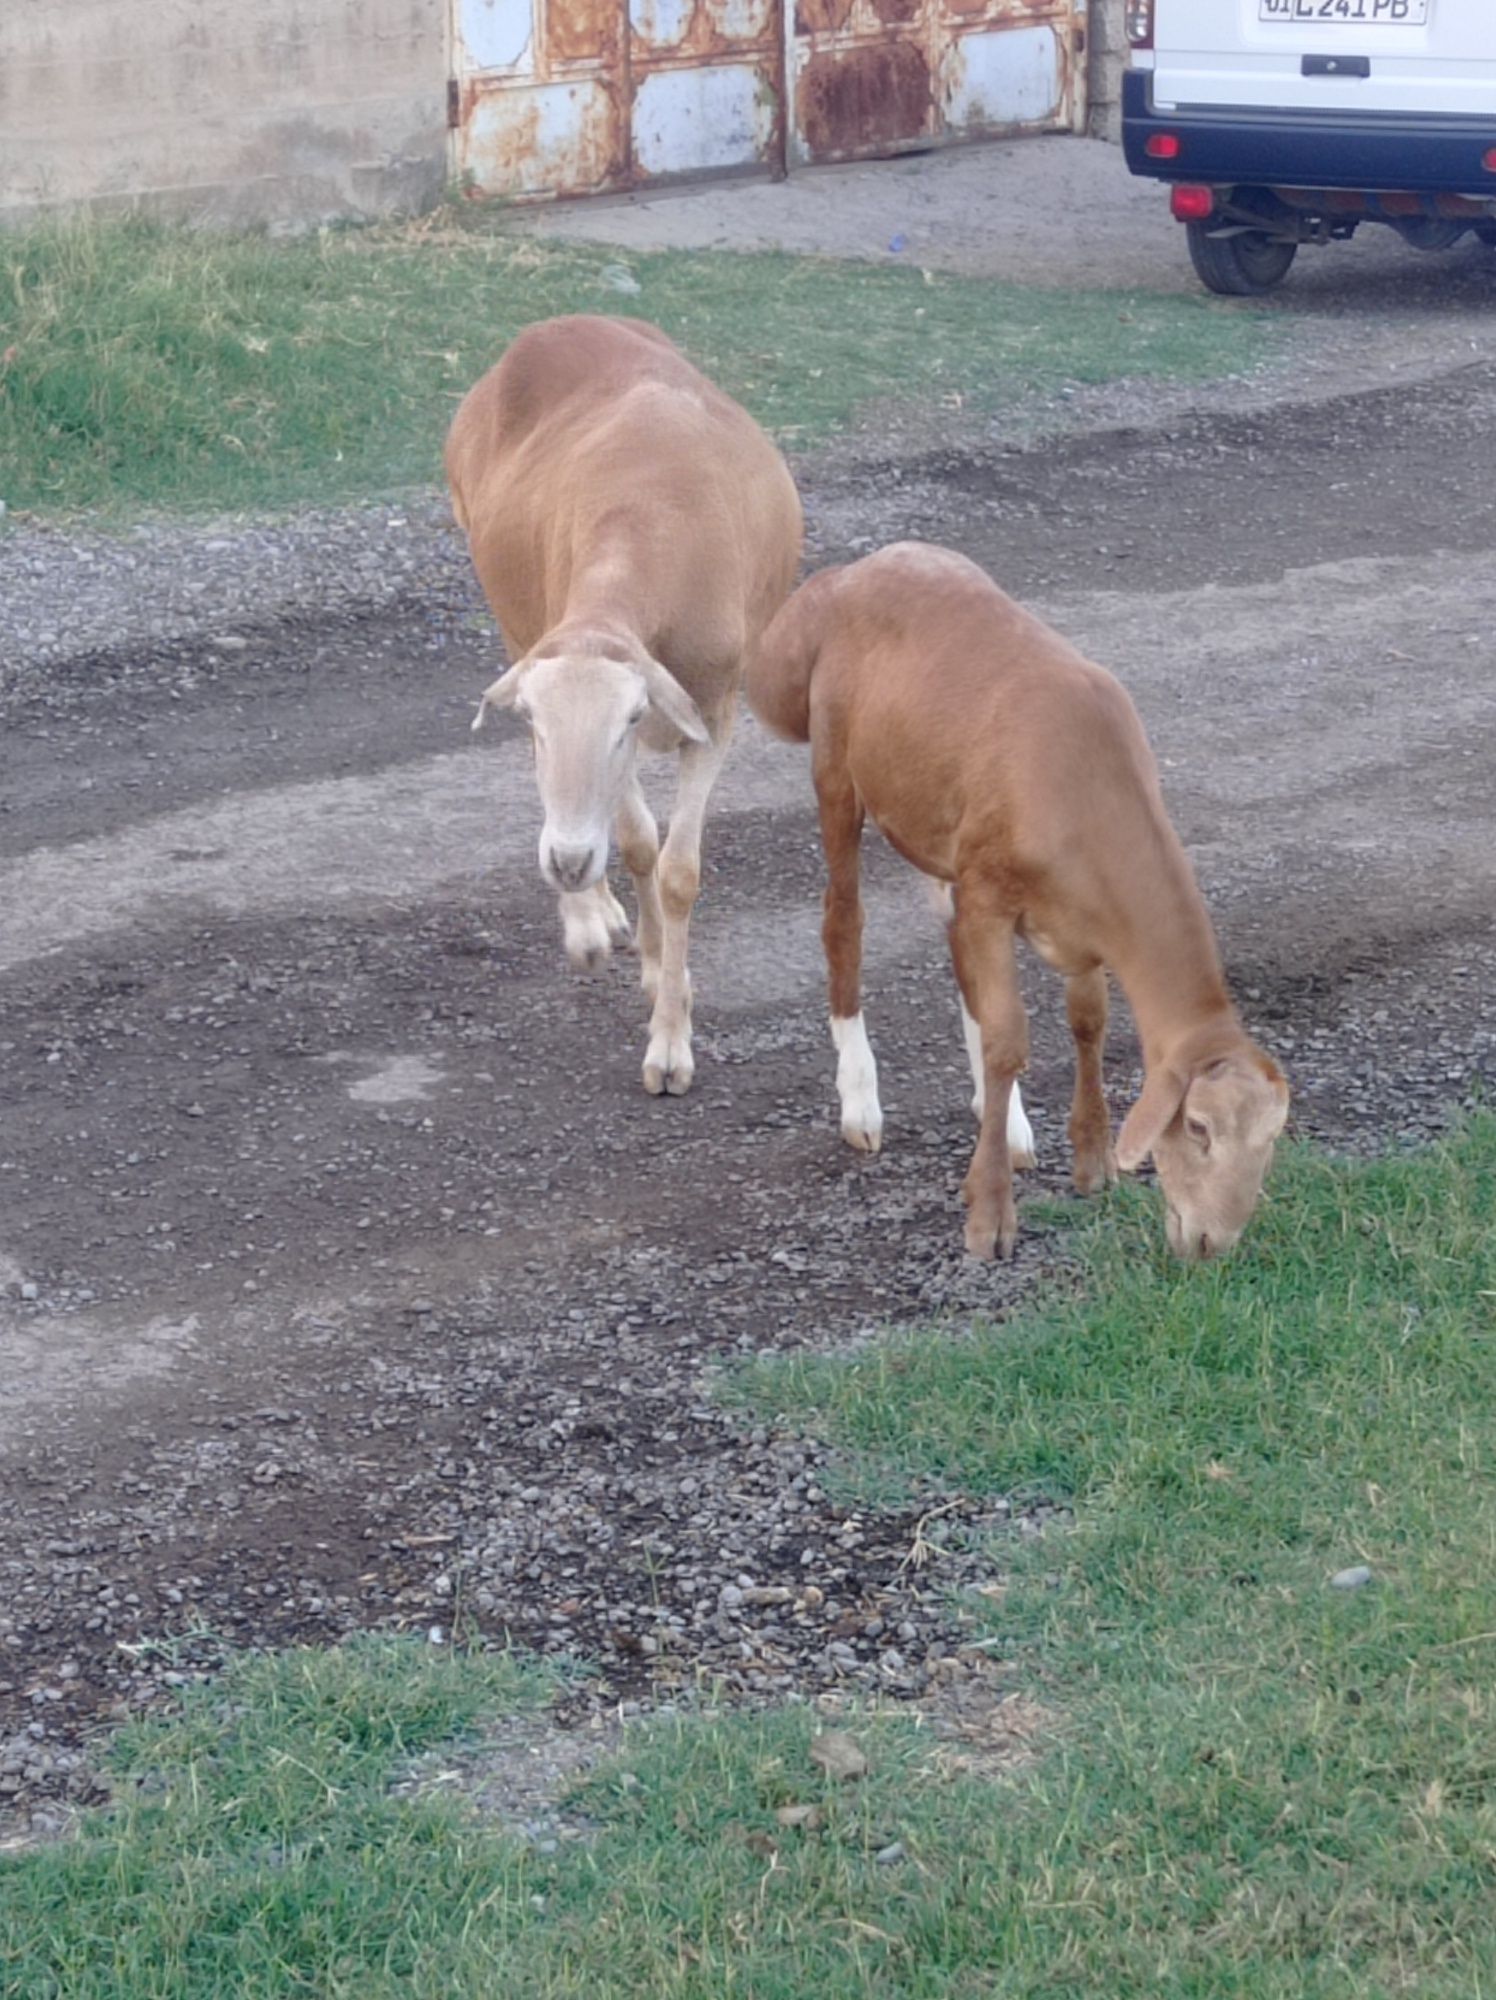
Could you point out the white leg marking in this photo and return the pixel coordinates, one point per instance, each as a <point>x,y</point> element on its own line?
<point>973,1036</point>
<point>857,1084</point>
<point>1020,1132</point>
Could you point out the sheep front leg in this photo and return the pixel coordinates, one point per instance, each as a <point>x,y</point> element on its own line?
<point>982,952</point>
<point>639,844</point>
<point>669,1066</point>
<point>592,922</point>
<point>841,936</point>
<point>1090,1129</point>
<point>1020,1132</point>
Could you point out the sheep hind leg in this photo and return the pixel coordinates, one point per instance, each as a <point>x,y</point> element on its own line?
<point>841,936</point>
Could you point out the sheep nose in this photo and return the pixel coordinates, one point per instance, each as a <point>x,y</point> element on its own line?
<point>570,866</point>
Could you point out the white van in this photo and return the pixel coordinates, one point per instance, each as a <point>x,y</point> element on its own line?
<point>1281,122</point>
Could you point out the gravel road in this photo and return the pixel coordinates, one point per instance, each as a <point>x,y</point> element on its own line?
<point>348,1277</point>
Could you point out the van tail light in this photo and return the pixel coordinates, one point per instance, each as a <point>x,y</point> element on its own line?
<point>1191,204</point>
<point>1162,145</point>
<point>1140,24</point>
<point>1488,160</point>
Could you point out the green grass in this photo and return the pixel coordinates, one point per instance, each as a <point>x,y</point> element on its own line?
<point>1267,1786</point>
<point>1256,1787</point>
<point>143,367</point>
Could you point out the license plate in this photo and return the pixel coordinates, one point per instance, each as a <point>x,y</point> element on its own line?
<point>1354,13</point>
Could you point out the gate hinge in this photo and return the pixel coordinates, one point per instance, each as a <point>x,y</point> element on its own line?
<point>454,104</point>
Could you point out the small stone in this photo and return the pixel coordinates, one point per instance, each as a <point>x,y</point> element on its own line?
<point>1351,1579</point>
<point>809,1819</point>
<point>888,1857</point>
<point>839,1755</point>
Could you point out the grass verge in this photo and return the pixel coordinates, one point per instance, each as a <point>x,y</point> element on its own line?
<point>144,367</point>
<point>1269,1786</point>
<point>1261,1786</point>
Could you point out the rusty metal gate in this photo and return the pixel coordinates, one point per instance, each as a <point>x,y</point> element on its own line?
<point>554,97</point>
<point>578,96</point>
<point>889,76</point>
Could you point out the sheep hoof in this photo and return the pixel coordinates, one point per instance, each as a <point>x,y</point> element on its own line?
<point>864,1135</point>
<point>1093,1176</point>
<point>981,1240</point>
<point>669,1069</point>
<point>615,916</point>
<point>667,1082</point>
<point>986,1239</point>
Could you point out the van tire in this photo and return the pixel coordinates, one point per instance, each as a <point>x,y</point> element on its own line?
<point>1241,265</point>
<point>1430,233</point>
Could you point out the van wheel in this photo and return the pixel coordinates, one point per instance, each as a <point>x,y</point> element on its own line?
<point>1240,265</point>
<point>1430,232</point>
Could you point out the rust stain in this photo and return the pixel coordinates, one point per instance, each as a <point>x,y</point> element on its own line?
<point>864,97</point>
<point>897,13</point>
<point>821,17</point>
<point>584,30</point>
<point>517,150</point>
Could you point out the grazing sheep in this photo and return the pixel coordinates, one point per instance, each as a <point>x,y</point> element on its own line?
<point>1001,763</point>
<point>634,531</point>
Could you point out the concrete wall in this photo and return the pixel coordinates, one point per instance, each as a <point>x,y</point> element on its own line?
<point>229,111</point>
<point>1107,45</point>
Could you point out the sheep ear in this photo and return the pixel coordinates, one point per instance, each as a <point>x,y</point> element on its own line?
<point>669,699</point>
<point>1152,1115</point>
<point>500,694</point>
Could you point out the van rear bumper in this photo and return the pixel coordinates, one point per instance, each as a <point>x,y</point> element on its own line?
<point>1319,149</point>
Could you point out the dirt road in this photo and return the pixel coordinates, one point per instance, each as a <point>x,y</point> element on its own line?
<point>348,1274</point>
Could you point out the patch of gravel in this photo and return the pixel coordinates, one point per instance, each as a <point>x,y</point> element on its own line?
<point>82,608</point>
<point>81,600</point>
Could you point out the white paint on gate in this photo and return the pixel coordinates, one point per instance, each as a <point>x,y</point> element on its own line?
<point>495,34</point>
<point>688,119</point>
<point>1011,77</point>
